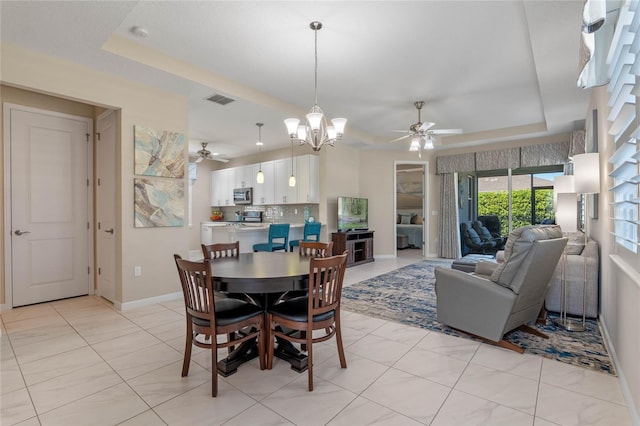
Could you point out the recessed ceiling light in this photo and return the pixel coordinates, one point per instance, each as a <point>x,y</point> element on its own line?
<point>139,32</point>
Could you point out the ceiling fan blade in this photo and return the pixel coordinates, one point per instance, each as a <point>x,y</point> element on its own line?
<point>445,132</point>
<point>222,160</point>
<point>426,126</point>
<point>402,131</point>
<point>400,138</point>
<point>199,159</point>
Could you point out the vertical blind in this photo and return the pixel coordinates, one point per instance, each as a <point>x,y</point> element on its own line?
<point>623,88</point>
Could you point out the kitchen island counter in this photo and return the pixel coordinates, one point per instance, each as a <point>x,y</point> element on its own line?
<point>247,234</point>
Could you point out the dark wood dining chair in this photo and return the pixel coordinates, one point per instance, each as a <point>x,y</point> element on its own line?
<point>208,317</point>
<point>218,250</point>
<point>222,250</point>
<point>315,249</point>
<point>319,310</point>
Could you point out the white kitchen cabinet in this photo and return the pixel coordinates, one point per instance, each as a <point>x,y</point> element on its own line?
<point>244,177</point>
<point>275,189</point>
<point>308,179</point>
<point>285,194</point>
<point>221,190</point>
<point>264,193</point>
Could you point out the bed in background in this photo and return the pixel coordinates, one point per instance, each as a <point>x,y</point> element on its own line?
<point>409,223</point>
<point>409,202</point>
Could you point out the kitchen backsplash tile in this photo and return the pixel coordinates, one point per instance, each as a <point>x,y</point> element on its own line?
<point>283,213</point>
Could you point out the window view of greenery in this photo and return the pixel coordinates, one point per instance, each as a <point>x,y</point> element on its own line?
<point>531,199</point>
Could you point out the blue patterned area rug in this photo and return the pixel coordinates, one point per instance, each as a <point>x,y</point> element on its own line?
<point>407,295</point>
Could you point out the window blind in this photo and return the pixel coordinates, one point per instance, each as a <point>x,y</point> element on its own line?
<point>623,89</point>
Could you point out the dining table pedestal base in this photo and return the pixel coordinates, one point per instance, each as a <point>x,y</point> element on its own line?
<point>246,351</point>
<point>287,352</point>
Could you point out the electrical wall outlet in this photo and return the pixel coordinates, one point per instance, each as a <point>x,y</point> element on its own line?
<point>137,271</point>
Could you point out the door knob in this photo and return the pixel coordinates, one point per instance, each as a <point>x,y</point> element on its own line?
<point>110,231</point>
<point>19,232</point>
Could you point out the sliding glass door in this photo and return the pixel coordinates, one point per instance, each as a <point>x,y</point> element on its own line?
<point>522,197</point>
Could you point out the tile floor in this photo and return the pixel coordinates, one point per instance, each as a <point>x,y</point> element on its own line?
<point>93,365</point>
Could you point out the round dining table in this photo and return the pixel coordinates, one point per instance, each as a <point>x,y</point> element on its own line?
<point>264,276</point>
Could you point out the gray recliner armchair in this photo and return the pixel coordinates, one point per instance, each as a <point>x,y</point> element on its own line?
<point>498,298</point>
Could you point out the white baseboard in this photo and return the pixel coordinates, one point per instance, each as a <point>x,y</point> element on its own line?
<point>145,302</point>
<point>624,387</point>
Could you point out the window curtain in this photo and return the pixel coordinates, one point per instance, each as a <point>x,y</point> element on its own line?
<point>449,235</point>
<point>456,163</point>
<point>498,159</point>
<point>550,154</point>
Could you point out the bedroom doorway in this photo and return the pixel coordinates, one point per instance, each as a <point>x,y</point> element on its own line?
<point>411,208</point>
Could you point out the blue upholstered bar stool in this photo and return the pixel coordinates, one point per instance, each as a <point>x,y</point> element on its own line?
<point>278,238</point>
<point>311,232</point>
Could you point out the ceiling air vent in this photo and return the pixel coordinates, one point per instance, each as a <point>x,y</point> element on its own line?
<point>220,99</point>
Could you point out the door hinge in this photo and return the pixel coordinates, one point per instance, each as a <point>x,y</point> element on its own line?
<point>98,181</point>
<point>88,136</point>
<point>88,270</point>
<point>88,226</point>
<point>98,135</point>
<point>99,271</point>
<point>98,226</point>
<point>87,182</point>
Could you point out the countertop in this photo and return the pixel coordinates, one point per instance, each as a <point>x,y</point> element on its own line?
<point>244,226</point>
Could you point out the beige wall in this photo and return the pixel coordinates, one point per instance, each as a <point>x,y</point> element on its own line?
<point>139,105</point>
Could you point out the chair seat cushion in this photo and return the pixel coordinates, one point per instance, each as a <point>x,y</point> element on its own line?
<point>296,309</point>
<point>229,311</point>
<point>261,247</point>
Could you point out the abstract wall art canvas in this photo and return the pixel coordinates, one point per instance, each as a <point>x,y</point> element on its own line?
<point>158,202</point>
<point>159,153</point>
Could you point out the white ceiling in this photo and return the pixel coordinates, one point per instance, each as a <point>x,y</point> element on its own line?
<point>500,70</point>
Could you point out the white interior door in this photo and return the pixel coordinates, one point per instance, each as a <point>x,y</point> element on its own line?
<point>50,250</point>
<point>105,205</point>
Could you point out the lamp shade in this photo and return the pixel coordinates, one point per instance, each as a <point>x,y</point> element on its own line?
<point>586,170</point>
<point>567,212</point>
<point>564,184</point>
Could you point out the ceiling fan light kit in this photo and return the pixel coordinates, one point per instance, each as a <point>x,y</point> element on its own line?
<point>421,133</point>
<point>315,132</point>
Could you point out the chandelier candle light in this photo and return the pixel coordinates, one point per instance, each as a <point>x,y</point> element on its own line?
<point>315,132</point>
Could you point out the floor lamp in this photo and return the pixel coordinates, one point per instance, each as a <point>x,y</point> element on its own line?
<point>566,209</point>
<point>586,171</point>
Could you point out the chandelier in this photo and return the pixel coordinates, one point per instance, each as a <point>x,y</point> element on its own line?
<point>315,132</point>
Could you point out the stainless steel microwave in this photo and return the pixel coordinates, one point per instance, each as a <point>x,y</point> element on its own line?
<point>243,196</point>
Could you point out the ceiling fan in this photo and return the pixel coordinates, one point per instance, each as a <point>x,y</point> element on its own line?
<point>204,153</point>
<point>421,133</point>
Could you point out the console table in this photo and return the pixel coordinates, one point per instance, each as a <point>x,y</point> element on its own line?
<point>359,244</point>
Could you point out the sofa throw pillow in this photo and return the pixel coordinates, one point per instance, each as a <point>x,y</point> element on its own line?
<point>398,218</point>
<point>482,231</point>
<point>575,245</point>
<point>406,219</point>
<point>414,217</point>
<point>473,236</point>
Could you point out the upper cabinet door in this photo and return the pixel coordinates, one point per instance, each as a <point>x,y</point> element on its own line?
<point>308,179</point>
<point>285,194</point>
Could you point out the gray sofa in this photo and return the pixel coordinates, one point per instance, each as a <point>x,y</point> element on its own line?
<point>577,255</point>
